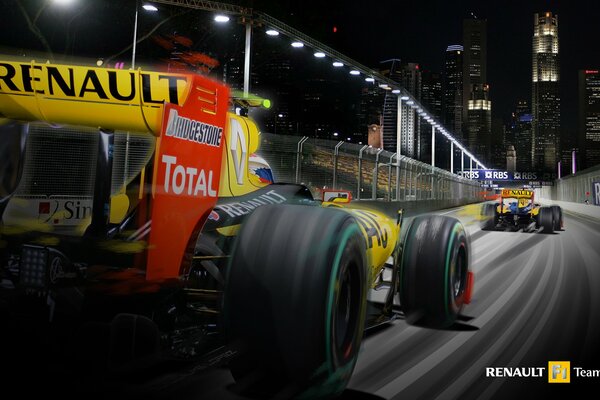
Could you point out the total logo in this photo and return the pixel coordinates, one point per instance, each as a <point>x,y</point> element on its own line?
<point>192,181</point>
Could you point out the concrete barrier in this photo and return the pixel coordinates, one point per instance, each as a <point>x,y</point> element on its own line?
<point>586,210</point>
<point>412,208</point>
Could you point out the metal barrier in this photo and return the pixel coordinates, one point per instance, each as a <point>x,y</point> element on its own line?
<point>574,188</point>
<point>369,173</point>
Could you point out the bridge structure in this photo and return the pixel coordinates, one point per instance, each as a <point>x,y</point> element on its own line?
<point>406,102</point>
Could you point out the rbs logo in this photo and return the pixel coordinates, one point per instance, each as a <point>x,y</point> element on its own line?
<point>559,371</point>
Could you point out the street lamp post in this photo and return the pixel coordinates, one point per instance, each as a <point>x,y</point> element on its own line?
<point>247,51</point>
<point>135,24</point>
<point>432,146</point>
<point>451,157</point>
<point>147,7</point>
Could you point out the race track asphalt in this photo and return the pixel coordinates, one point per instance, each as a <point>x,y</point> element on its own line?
<point>536,299</point>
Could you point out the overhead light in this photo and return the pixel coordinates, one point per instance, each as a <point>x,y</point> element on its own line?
<point>221,18</point>
<point>383,85</point>
<point>272,32</point>
<point>396,91</point>
<point>62,2</point>
<point>149,7</point>
<point>404,98</point>
<point>335,134</point>
<point>338,64</point>
<point>410,102</point>
<point>319,54</point>
<point>297,44</point>
<point>370,80</point>
<point>348,139</point>
<point>280,115</point>
<point>354,72</point>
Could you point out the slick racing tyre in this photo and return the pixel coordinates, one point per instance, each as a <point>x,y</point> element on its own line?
<point>558,219</point>
<point>295,301</point>
<point>546,220</point>
<point>488,217</point>
<point>434,271</point>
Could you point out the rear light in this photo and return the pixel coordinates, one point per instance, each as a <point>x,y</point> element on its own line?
<point>33,268</point>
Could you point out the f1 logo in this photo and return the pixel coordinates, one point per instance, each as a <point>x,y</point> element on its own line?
<point>559,371</point>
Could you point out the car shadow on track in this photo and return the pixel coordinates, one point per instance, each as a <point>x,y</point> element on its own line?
<point>350,394</point>
<point>527,244</point>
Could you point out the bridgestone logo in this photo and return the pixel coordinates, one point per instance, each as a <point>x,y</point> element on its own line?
<point>194,131</point>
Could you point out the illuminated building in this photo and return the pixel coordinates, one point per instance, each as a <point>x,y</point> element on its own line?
<point>520,132</point>
<point>452,105</point>
<point>409,76</point>
<point>546,96</point>
<point>477,106</point>
<point>589,117</point>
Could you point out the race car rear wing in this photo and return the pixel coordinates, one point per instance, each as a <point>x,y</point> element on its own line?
<point>90,96</point>
<point>517,194</point>
<point>187,114</point>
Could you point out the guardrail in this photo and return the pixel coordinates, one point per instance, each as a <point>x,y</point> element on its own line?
<point>369,173</point>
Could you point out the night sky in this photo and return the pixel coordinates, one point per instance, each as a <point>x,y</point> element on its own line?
<point>415,31</point>
<point>420,31</point>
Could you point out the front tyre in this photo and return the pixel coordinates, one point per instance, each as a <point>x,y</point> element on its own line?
<point>434,274</point>
<point>295,301</point>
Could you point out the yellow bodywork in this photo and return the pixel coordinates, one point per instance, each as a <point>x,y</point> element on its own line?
<point>381,233</point>
<point>134,101</point>
<point>76,95</point>
<point>242,140</point>
<point>523,198</point>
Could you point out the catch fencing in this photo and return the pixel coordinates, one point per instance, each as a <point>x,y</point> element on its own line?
<point>369,173</point>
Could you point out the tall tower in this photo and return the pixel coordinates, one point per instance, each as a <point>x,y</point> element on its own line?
<point>477,106</point>
<point>589,117</point>
<point>409,76</point>
<point>545,102</point>
<point>452,103</point>
<point>391,69</point>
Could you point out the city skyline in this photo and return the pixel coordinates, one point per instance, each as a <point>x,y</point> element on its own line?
<point>415,42</point>
<point>423,30</point>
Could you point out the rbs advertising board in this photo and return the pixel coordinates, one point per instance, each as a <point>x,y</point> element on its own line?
<point>497,175</point>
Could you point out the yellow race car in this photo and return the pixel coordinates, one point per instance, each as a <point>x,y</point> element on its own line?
<point>182,247</point>
<point>517,210</point>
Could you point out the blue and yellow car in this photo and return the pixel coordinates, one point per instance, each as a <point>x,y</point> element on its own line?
<point>139,230</point>
<point>516,209</point>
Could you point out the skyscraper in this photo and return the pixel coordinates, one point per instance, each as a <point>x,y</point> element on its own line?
<point>477,106</point>
<point>431,98</point>
<point>431,92</point>
<point>545,100</point>
<point>416,138</point>
<point>589,118</point>
<point>452,102</point>
<point>519,135</point>
<point>409,76</point>
<point>391,69</point>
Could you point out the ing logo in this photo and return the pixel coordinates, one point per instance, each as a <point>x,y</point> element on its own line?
<point>559,371</point>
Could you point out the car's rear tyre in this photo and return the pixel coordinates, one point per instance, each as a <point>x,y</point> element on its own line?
<point>558,218</point>
<point>295,301</point>
<point>488,217</point>
<point>434,271</point>
<point>546,220</point>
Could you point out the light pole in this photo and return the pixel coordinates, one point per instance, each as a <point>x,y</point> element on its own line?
<point>147,7</point>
